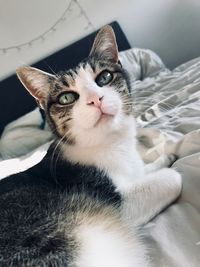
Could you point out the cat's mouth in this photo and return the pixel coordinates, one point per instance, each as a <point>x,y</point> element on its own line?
<point>104,117</point>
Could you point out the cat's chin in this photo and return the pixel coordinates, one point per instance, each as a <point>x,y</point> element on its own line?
<point>104,119</point>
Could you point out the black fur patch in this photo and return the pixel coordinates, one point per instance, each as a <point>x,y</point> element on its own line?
<point>39,209</point>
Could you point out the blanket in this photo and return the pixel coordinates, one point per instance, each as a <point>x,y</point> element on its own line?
<point>166,105</point>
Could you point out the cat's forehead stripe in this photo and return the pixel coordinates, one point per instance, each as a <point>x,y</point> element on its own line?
<point>57,87</point>
<point>71,75</point>
<point>64,81</point>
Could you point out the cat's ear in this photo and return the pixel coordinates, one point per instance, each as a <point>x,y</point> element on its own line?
<point>105,44</point>
<point>37,82</point>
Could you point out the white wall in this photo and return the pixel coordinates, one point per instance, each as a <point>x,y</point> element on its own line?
<point>169,27</point>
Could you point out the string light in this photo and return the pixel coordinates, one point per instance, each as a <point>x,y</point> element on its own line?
<point>52,29</point>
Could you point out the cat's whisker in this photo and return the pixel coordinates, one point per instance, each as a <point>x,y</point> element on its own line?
<point>126,97</point>
<point>53,165</point>
<point>127,102</point>
<point>50,68</point>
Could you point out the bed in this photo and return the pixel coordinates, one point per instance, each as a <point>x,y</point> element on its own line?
<point>166,105</point>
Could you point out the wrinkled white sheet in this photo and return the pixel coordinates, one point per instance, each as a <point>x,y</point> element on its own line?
<point>167,109</point>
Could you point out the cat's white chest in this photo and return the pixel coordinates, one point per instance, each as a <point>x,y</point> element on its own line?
<point>120,161</point>
<point>124,169</point>
<point>122,165</point>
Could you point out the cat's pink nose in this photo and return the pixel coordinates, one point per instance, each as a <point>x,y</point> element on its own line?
<point>94,101</point>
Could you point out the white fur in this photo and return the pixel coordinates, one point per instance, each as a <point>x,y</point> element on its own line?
<point>109,247</point>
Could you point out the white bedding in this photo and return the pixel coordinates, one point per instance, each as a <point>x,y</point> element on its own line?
<point>167,109</point>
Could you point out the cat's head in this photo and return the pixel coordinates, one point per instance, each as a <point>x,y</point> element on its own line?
<point>88,103</point>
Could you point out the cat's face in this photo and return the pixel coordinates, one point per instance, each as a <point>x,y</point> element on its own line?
<point>86,104</point>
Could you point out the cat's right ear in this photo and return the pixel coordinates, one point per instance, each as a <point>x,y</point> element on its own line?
<point>105,44</point>
<point>37,83</point>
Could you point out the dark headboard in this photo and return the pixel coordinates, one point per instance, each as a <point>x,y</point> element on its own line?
<point>15,101</point>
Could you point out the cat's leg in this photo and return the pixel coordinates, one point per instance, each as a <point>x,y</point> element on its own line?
<point>150,196</point>
<point>162,162</point>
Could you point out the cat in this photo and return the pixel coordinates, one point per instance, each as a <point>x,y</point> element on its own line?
<point>84,203</point>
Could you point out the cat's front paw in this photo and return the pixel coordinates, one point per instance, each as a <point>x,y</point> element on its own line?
<point>172,181</point>
<point>167,160</point>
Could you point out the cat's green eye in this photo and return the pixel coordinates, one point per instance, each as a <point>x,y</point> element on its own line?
<point>104,78</point>
<point>67,98</point>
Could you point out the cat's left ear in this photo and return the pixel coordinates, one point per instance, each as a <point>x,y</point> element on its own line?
<point>105,44</point>
<point>37,83</point>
